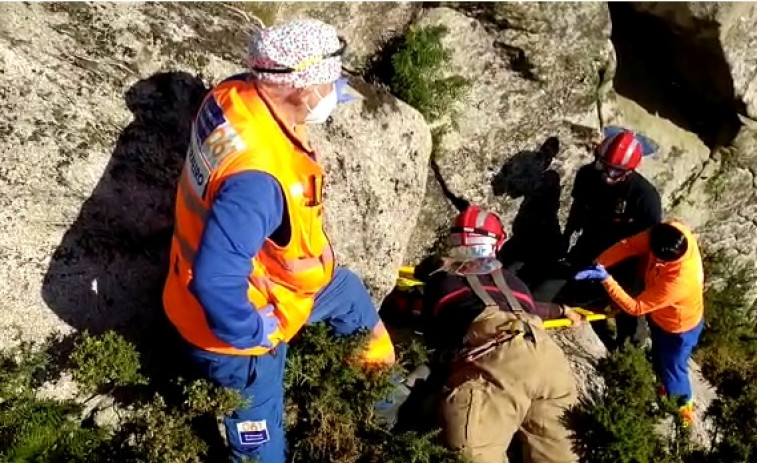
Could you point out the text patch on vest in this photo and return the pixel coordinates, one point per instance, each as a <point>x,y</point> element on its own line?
<point>213,139</point>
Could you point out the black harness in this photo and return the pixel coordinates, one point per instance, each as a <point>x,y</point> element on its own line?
<point>516,328</point>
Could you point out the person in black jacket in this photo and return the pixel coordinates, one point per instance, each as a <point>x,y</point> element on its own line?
<point>611,202</point>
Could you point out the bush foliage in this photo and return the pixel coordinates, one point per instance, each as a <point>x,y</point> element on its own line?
<point>620,425</point>
<point>330,405</point>
<point>623,423</point>
<point>37,429</point>
<point>40,429</point>
<point>330,401</point>
<point>104,362</point>
<point>730,336</point>
<point>329,412</point>
<point>418,76</point>
<point>727,355</point>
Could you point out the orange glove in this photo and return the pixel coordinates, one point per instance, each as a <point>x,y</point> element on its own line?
<point>380,349</point>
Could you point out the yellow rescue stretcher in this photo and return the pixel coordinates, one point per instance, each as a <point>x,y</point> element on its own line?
<point>406,280</point>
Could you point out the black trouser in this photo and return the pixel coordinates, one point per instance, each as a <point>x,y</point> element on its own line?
<point>625,330</point>
<point>563,289</point>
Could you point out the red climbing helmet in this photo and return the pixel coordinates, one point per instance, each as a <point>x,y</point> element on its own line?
<point>621,151</point>
<point>479,231</point>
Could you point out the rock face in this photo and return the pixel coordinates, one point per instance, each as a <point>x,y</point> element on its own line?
<point>724,35</point>
<point>727,184</point>
<point>366,26</point>
<point>680,152</point>
<point>534,74</point>
<point>99,101</point>
<point>376,161</point>
<point>583,349</point>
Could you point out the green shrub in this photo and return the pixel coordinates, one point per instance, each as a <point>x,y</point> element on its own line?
<point>418,72</point>
<point>412,353</point>
<point>729,323</point>
<point>727,356</point>
<point>22,369</point>
<point>40,429</point>
<point>330,406</point>
<point>163,435</point>
<point>204,397</point>
<point>105,361</point>
<point>45,430</point>
<point>620,425</point>
<point>34,429</point>
<point>734,415</point>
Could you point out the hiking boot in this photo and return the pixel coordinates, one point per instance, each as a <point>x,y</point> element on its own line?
<point>687,414</point>
<point>387,410</point>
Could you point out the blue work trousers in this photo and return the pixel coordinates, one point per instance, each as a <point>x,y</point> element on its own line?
<point>257,431</point>
<point>670,356</point>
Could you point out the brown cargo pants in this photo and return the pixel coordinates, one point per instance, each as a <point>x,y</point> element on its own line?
<point>523,386</point>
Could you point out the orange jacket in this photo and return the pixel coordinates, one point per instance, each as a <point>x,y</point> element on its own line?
<point>673,292</point>
<point>236,131</point>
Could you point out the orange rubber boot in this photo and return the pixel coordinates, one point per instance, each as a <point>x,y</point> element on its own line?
<point>687,414</point>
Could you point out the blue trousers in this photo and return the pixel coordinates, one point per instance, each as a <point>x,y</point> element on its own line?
<point>257,431</point>
<point>670,355</point>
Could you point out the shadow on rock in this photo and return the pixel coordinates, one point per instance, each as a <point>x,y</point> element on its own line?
<point>685,78</point>
<point>536,236</point>
<point>109,269</point>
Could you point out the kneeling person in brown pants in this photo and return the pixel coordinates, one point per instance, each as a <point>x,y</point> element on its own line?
<point>503,373</point>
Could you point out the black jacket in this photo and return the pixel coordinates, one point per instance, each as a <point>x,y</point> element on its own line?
<point>450,306</point>
<point>606,214</point>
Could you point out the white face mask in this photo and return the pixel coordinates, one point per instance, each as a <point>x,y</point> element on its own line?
<point>321,112</point>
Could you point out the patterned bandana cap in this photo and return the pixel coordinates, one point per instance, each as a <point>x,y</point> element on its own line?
<point>299,45</point>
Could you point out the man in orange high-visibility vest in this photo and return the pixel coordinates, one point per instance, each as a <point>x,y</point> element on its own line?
<point>250,261</point>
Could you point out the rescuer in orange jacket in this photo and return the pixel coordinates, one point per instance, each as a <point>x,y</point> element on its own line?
<point>672,299</point>
<point>250,261</point>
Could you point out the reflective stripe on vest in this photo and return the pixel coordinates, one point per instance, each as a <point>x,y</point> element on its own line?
<point>192,203</point>
<point>185,249</point>
<point>302,265</point>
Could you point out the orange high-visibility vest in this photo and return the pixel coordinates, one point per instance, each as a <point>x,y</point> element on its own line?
<point>235,131</point>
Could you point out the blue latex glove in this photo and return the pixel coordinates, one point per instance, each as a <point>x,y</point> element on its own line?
<point>595,272</point>
<point>343,91</point>
<point>269,322</point>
